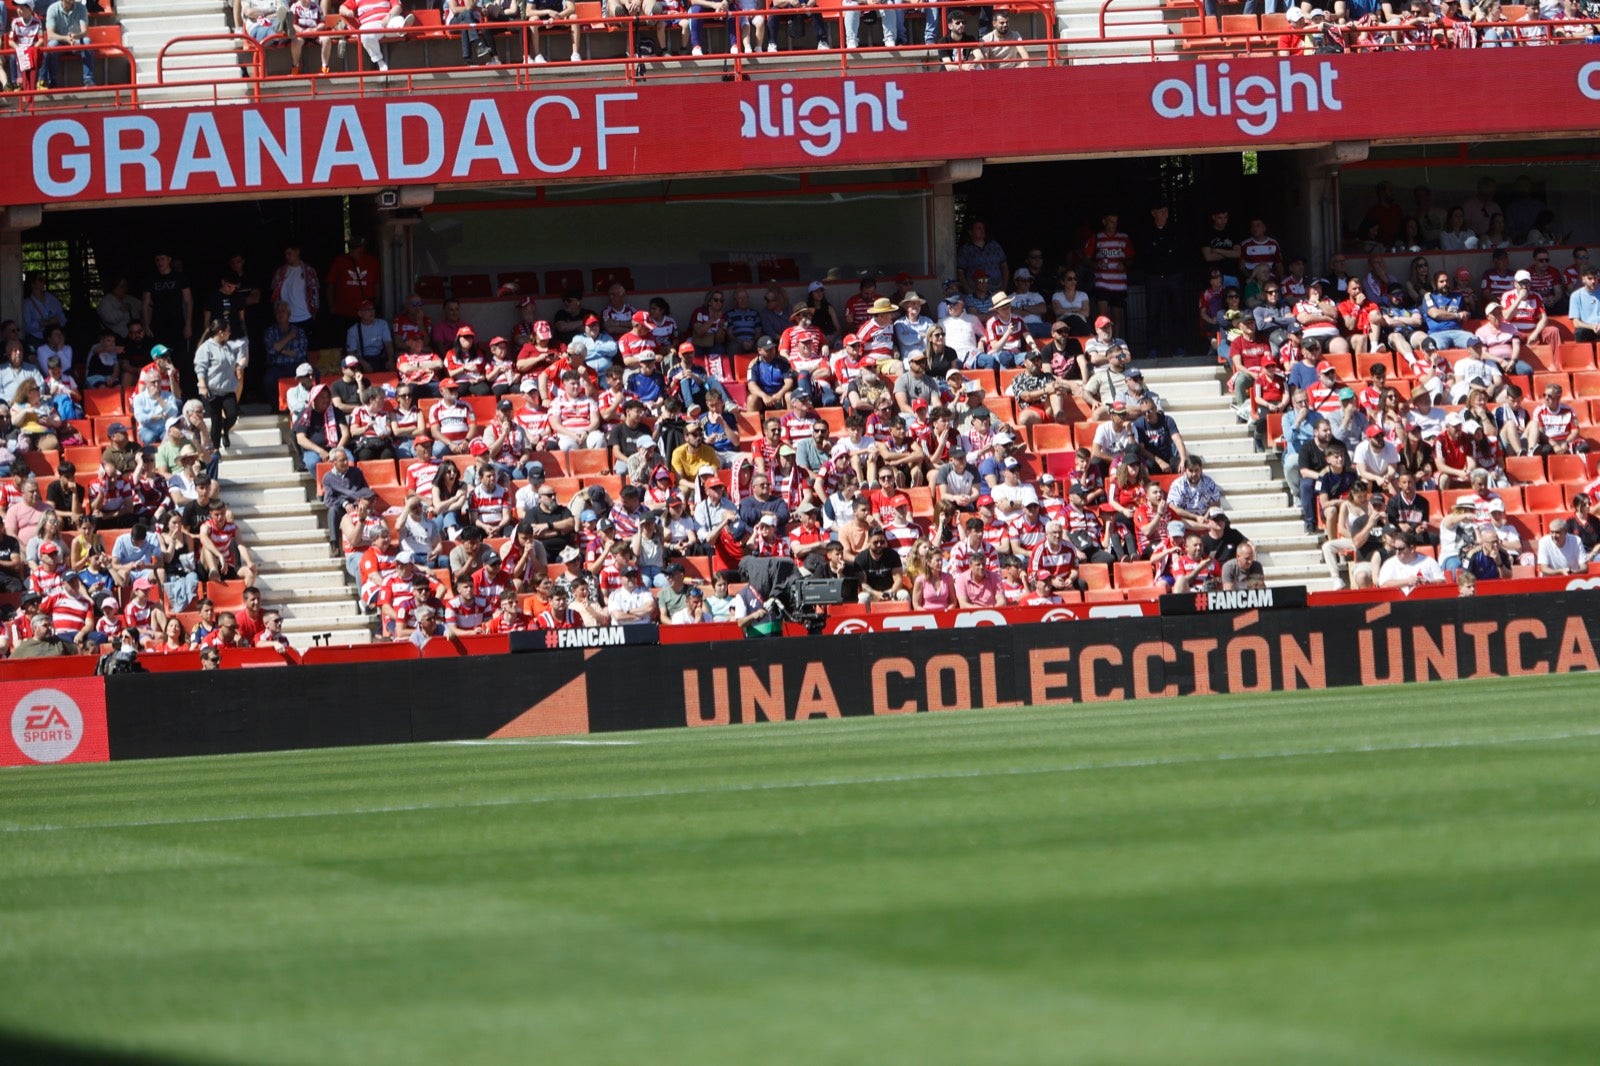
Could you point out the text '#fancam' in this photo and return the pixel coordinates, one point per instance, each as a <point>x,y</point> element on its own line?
<point>823,118</point>
<point>1254,102</point>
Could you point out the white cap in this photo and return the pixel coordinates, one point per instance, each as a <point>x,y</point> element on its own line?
<point>1453,419</point>
<point>1295,14</point>
<point>1470,425</point>
<point>769,519</point>
<point>1522,275</point>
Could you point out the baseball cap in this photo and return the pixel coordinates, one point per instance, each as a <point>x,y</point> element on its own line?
<point>466,331</point>
<point>1454,419</point>
<point>541,328</point>
<point>526,301</point>
<point>1470,425</point>
<point>973,386</point>
<point>1021,272</point>
<point>1522,275</point>
<point>1102,322</point>
<point>1047,479</point>
<point>1463,273</point>
<point>570,554</point>
<point>1176,527</point>
<point>305,370</point>
<point>116,427</point>
<point>1216,512</point>
<point>980,275</point>
<point>642,318</point>
<point>504,405</point>
<point>1325,367</point>
<point>1295,14</point>
<point>1374,431</point>
<point>406,555</point>
<point>496,340</point>
<point>1011,462</point>
<point>144,583</point>
<point>449,383</point>
<point>351,360</point>
<point>1347,394</point>
<point>764,342</point>
<point>159,350</point>
<point>1134,372</point>
<point>815,286</point>
<point>985,501</point>
<point>587,516</point>
<point>1497,505</point>
<point>769,519</point>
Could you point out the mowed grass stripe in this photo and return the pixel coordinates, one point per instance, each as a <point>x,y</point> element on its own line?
<point>1429,904</point>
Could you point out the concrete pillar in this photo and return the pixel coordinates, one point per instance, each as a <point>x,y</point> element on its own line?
<point>17,221</point>
<point>942,206</point>
<point>394,253</point>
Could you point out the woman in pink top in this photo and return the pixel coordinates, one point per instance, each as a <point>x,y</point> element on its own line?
<point>934,590</point>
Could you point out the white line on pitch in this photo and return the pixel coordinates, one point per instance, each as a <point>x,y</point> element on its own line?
<point>839,782</point>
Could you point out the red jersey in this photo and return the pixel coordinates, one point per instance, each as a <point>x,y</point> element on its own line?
<point>500,623</point>
<point>575,413</point>
<point>1197,570</point>
<point>466,368</point>
<point>962,552</point>
<point>789,343</point>
<point>1558,425</point>
<point>877,342</point>
<point>220,535</point>
<point>419,478</point>
<point>465,612</point>
<point>1008,335</point>
<point>550,618</point>
<point>1253,251</point>
<point>631,346</point>
<point>855,310</point>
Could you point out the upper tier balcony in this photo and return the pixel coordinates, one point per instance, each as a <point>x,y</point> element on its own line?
<point>181,108</point>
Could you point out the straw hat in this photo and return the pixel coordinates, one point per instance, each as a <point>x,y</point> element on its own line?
<point>882,306</point>
<point>1000,300</point>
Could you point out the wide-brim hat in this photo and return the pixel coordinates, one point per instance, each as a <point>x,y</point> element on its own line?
<point>1000,300</point>
<point>882,306</point>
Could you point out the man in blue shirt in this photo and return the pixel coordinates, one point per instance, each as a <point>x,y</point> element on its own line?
<point>646,383</point>
<point>1443,313</point>
<point>1584,306</point>
<point>1299,425</point>
<point>770,381</point>
<point>134,555</point>
<point>744,321</point>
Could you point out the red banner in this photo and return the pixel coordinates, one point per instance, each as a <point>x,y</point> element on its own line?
<point>508,138</point>
<point>900,622</point>
<point>62,720</point>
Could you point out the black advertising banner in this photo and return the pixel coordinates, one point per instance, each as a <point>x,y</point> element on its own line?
<point>618,687</point>
<point>1273,599</point>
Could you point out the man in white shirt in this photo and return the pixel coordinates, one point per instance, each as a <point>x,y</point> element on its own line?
<point>961,333</point>
<point>631,603</point>
<point>1409,568</point>
<point>1560,552</point>
<point>1377,460</point>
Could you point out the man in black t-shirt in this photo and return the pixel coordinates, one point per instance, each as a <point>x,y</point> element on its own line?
<point>13,564</point>
<point>552,524</point>
<point>883,579</point>
<point>631,434</point>
<point>1219,251</point>
<point>1219,539</point>
<point>951,51</point>
<point>1313,463</point>
<point>169,305</point>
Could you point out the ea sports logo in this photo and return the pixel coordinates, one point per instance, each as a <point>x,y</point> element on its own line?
<point>46,725</point>
<point>852,625</point>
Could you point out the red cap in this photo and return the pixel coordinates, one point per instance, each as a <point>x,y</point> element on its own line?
<point>686,348</point>
<point>541,328</point>
<point>449,383</point>
<point>903,278</point>
<point>1325,366</point>
<point>642,318</point>
<point>591,320</point>
<point>1463,272</point>
<point>421,438</point>
<point>980,275</point>
<point>1374,431</point>
<point>851,338</point>
<point>1102,322</point>
<point>496,340</point>
<point>466,331</point>
<point>985,501</point>
<point>526,301</point>
<point>478,446</point>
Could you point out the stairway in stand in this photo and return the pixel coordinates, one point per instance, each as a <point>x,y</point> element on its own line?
<point>284,527</point>
<point>1254,494</point>
<point>148,27</point>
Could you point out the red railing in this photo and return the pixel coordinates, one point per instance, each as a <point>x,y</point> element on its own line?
<point>108,94</point>
<point>1128,39</point>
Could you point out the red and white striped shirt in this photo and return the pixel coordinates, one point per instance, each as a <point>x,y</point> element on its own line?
<point>420,475</point>
<point>876,341</point>
<point>451,421</point>
<point>575,413</point>
<point>550,618</point>
<point>796,427</point>
<point>1057,562</point>
<point>1523,313</point>
<point>221,535</point>
<point>1253,251</point>
<point>962,552</point>
<point>465,612</point>
<point>1110,254</point>
<point>1558,425</point>
<point>1007,334</point>
<point>68,613</point>
<point>489,504</point>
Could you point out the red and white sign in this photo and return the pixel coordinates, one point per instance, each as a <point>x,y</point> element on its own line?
<point>61,720</point>
<point>509,138</point>
<point>840,625</point>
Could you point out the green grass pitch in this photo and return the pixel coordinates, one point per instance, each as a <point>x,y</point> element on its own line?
<point>1361,876</point>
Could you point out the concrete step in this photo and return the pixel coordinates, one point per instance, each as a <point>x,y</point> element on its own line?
<point>1272,528</point>
<point>344,595</point>
<point>266,495</point>
<point>264,438</point>
<point>291,585</point>
<point>295,523</point>
<point>323,623</point>
<point>140,10</point>
<point>317,550</point>
<point>1280,541</point>
<point>264,465</point>
<point>341,637</point>
<point>285,538</point>
<point>1174,374</point>
<point>309,568</point>
<point>306,610</point>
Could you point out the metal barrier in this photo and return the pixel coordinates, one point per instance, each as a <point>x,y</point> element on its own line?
<point>76,97</point>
